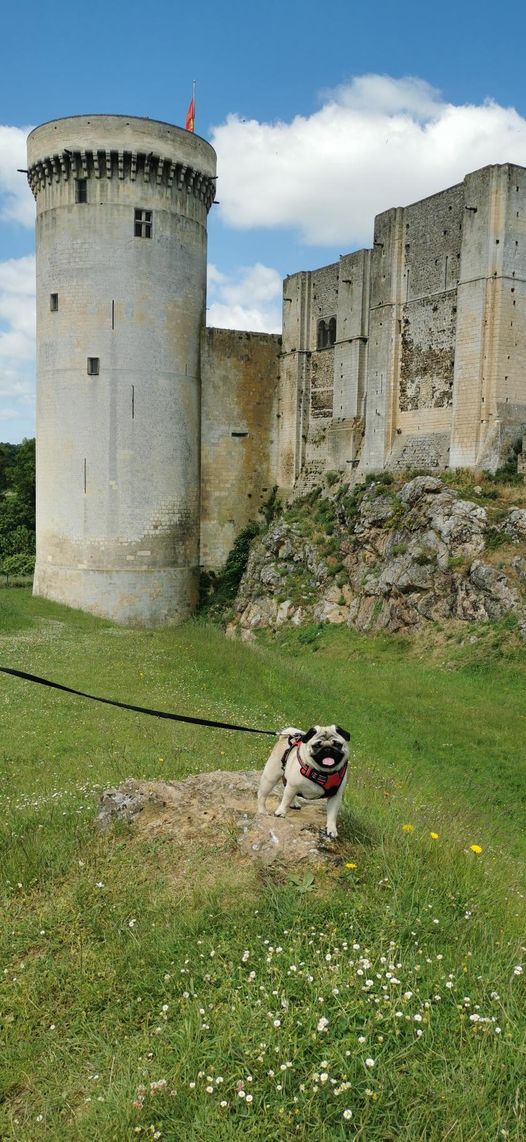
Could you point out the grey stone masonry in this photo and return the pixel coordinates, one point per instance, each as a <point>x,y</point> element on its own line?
<point>122,209</point>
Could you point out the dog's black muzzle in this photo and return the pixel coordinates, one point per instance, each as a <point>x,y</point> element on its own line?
<point>332,751</point>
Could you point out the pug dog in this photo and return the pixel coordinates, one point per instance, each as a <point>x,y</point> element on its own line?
<point>311,764</point>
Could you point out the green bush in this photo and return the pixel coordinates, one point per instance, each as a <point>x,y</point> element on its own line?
<point>219,590</point>
<point>19,565</point>
<point>272,507</point>
<point>494,538</point>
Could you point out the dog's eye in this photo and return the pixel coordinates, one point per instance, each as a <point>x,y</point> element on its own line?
<point>310,734</point>
<point>343,733</point>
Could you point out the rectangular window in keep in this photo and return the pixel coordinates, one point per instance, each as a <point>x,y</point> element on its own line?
<point>143,223</point>
<point>53,302</point>
<point>81,190</point>
<point>93,366</point>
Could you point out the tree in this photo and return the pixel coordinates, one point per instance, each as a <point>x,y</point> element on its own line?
<point>17,499</point>
<point>21,482</point>
<point>19,564</point>
<point>7,455</point>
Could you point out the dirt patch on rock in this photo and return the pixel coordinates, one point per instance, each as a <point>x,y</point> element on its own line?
<point>210,808</point>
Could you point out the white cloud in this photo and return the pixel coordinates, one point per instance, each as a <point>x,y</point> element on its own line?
<point>250,299</point>
<point>16,201</point>
<point>17,343</point>
<point>376,142</point>
<point>17,310</point>
<point>383,93</point>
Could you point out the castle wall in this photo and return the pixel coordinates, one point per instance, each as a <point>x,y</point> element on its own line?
<point>490,369</point>
<point>239,429</point>
<point>294,389</point>
<point>322,387</point>
<point>352,331</point>
<point>384,345</point>
<point>428,364</point>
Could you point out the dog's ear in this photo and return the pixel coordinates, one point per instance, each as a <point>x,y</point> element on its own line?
<point>343,733</point>
<point>310,734</point>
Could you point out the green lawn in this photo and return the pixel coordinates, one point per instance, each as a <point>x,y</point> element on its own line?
<point>384,1001</point>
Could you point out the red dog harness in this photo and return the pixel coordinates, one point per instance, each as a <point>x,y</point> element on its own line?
<point>329,782</point>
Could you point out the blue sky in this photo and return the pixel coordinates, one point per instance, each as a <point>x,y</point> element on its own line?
<point>321,115</point>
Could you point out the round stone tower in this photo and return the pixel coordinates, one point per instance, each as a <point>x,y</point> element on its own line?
<point>122,206</point>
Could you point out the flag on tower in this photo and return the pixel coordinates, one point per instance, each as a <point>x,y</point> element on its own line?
<point>189,123</point>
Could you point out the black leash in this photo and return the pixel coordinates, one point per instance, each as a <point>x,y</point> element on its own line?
<point>136,709</point>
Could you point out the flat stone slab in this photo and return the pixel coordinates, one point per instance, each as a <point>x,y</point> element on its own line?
<point>221,805</point>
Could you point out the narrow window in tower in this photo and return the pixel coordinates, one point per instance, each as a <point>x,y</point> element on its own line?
<point>143,223</point>
<point>53,302</point>
<point>93,366</point>
<point>332,331</point>
<point>84,475</point>
<point>133,402</point>
<point>81,190</point>
<point>113,315</point>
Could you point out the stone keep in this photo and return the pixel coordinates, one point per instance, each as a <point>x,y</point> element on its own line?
<point>122,208</point>
<point>412,354</point>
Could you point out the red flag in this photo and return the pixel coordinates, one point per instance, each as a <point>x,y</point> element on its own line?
<point>189,122</point>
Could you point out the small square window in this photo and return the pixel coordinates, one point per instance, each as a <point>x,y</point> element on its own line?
<point>93,366</point>
<point>143,223</point>
<point>81,190</point>
<point>53,302</point>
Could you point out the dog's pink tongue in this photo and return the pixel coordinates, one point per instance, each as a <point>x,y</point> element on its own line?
<point>327,761</point>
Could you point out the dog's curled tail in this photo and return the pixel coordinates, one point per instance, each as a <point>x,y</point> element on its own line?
<point>289,732</point>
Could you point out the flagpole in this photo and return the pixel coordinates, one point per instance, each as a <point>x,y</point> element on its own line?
<point>193,98</point>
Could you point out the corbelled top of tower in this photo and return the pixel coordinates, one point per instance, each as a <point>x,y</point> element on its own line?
<point>118,145</point>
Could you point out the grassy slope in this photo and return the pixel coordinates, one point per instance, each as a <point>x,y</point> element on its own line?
<point>437,744</point>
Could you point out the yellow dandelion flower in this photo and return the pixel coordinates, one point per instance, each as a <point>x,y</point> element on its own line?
<point>434,836</point>
<point>475,848</point>
<point>408,828</point>
<point>350,864</point>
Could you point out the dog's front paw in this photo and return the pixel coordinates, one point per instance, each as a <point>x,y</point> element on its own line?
<point>280,812</point>
<point>329,835</point>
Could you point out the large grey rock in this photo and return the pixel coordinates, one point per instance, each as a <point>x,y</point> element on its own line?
<point>284,612</point>
<point>276,537</point>
<point>469,604</point>
<point>499,596</point>
<point>269,575</point>
<point>121,804</point>
<point>375,510</point>
<point>406,575</point>
<point>519,566</point>
<point>327,612</point>
<point>420,486</point>
<point>260,613</point>
<point>460,524</point>
<point>515,525</point>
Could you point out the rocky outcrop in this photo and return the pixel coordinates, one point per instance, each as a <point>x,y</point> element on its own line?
<point>220,807</point>
<point>385,557</point>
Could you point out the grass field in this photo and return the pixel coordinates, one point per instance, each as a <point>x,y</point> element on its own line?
<point>383,1001</point>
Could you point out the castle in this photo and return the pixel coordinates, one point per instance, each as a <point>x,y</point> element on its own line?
<point>159,439</point>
